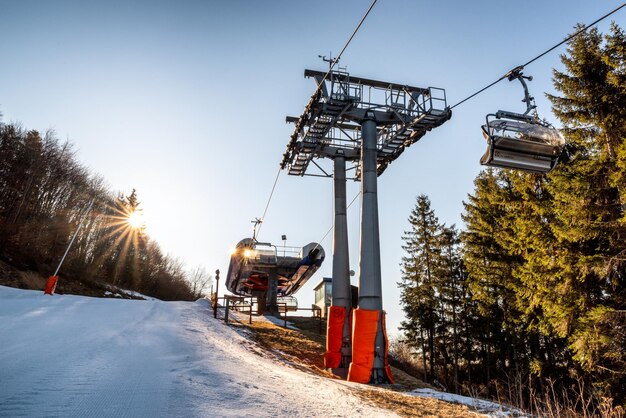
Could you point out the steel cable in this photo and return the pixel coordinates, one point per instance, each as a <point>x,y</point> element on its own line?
<point>584,29</point>
<point>332,64</point>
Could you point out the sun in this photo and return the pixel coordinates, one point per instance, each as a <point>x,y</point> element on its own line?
<point>135,219</point>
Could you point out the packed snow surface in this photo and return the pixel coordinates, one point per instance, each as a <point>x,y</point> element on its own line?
<point>491,409</point>
<point>73,356</point>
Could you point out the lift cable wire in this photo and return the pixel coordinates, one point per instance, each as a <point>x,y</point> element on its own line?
<point>334,61</point>
<point>319,86</point>
<point>319,242</point>
<point>584,29</point>
<point>258,230</point>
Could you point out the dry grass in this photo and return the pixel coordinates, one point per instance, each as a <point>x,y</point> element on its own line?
<point>9,276</point>
<point>413,406</point>
<point>404,382</point>
<point>304,350</point>
<point>32,280</point>
<point>291,346</point>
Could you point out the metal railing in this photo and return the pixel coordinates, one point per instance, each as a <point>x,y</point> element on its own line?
<point>246,305</point>
<point>317,313</point>
<point>236,303</point>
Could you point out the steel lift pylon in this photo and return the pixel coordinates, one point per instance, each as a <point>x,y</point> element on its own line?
<point>366,124</point>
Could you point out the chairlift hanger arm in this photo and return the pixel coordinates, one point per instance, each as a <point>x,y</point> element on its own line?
<point>256,222</point>
<point>516,73</point>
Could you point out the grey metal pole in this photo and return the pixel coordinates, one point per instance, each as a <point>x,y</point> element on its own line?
<point>80,225</point>
<point>370,285</point>
<point>370,281</point>
<point>272,291</point>
<point>341,291</point>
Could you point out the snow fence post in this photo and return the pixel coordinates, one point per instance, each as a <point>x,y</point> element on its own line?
<point>250,310</point>
<point>51,285</point>
<point>217,287</point>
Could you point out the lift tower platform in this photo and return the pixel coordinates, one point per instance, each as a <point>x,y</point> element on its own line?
<point>366,124</point>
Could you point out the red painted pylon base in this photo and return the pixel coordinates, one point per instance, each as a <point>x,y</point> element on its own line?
<point>51,285</point>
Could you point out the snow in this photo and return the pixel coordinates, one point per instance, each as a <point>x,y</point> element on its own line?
<point>280,322</point>
<point>128,293</point>
<point>75,356</point>
<point>137,294</point>
<point>490,409</point>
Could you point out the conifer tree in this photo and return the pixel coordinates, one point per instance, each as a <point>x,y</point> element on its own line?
<point>44,191</point>
<point>589,192</point>
<point>490,265</point>
<point>419,270</point>
<point>453,296</point>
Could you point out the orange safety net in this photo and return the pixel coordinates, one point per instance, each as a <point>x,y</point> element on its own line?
<point>365,327</point>
<point>51,285</point>
<point>334,335</point>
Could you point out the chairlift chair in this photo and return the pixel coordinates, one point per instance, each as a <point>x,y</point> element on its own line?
<point>521,141</point>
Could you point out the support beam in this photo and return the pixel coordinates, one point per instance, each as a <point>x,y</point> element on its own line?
<point>272,291</point>
<point>341,291</point>
<point>370,280</point>
<point>364,81</point>
<point>369,123</point>
<point>370,285</point>
<point>261,301</point>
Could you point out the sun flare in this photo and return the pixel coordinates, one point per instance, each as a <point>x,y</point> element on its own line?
<point>135,219</point>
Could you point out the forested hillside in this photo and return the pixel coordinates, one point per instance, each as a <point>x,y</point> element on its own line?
<point>45,191</point>
<point>528,302</point>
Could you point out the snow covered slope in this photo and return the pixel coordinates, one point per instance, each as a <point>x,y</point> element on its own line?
<point>67,356</point>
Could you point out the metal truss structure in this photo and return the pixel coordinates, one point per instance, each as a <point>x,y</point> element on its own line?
<point>368,124</point>
<point>331,122</point>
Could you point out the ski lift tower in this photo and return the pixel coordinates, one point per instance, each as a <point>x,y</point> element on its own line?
<point>365,124</point>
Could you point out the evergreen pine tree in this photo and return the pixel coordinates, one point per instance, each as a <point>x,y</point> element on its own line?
<point>491,260</point>
<point>589,190</point>
<point>452,297</point>
<point>419,293</point>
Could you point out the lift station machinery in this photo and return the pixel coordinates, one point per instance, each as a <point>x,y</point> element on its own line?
<point>269,273</point>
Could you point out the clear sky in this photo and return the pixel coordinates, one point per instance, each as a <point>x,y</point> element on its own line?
<point>186,100</point>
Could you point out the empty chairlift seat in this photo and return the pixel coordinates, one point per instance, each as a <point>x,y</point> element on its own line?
<point>521,142</point>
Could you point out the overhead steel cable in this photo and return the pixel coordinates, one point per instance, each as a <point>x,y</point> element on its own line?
<point>584,29</point>
<point>267,205</point>
<point>336,60</point>
<point>317,90</point>
<point>319,242</point>
<point>314,96</point>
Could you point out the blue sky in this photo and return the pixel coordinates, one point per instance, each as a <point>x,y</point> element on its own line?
<point>185,101</point>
